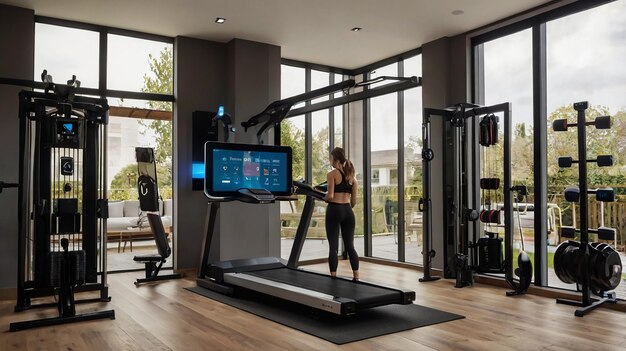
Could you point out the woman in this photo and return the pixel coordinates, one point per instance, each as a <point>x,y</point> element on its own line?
<point>341,198</point>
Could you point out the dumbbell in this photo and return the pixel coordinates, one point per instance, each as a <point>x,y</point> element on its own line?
<point>604,194</point>
<point>604,233</point>
<point>568,232</point>
<point>572,194</point>
<point>601,160</point>
<point>561,125</point>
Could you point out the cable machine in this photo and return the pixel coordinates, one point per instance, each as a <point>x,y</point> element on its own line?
<point>62,207</point>
<point>466,127</point>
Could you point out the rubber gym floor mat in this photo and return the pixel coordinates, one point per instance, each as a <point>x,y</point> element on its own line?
<point>337,329</point>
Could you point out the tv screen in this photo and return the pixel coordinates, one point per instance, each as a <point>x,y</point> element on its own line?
<point>230,167</point>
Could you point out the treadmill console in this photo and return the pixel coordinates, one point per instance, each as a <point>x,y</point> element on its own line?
<point>258,196</point>
<point>244,172</point>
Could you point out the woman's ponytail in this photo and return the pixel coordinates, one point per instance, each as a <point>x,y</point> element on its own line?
<point>348,169</point>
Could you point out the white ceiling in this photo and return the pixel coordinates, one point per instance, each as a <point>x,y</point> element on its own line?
<point>309,30</point>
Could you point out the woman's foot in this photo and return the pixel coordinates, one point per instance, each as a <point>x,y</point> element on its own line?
<point>355,276</point>
<point>333,274</point>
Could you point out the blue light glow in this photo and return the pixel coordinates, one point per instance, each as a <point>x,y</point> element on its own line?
<point>197,170</point>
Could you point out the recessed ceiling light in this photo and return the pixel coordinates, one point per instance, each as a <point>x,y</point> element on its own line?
<point>220,20</point>
<point>356,29</point>
<point>457,12</point>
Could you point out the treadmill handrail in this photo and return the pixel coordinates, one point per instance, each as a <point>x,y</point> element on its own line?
<point>302,188</point>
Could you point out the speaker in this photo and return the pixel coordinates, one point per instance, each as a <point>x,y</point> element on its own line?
<point>203,130</point>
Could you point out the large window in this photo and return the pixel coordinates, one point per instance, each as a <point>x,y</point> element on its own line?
<point>138,87</point>
<point>413,163</point>
<point>508,78</point>
<point>310,134</point>
<point>392,181</point>
<point>395,131</point>
<point>576,57</point>
<point>584,63</point>
<point>55,52</point>
<point>384,160</point>
<point>139,65</point>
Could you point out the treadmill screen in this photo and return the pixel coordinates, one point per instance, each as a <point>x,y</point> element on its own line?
<point>230,167</point>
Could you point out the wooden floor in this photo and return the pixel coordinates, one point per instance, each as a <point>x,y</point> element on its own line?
<point>164,316</point>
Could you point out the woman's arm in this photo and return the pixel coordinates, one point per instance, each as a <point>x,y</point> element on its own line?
<point>354,193</point>
<point>330,181</point>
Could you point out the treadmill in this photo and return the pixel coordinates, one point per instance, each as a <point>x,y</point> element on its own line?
<point>274,276</point>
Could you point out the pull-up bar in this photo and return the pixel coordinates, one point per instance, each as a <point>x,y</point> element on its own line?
<point>281,109</point>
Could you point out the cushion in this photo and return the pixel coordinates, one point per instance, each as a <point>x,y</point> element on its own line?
<point>116,209</point>
<point>168,210</point>
<point>131,208</point>
<point>120,223</point>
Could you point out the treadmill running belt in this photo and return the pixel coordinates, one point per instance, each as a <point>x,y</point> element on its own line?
<point>363,294</point>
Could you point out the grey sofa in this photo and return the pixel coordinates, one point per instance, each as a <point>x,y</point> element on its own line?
<point>125,214</point>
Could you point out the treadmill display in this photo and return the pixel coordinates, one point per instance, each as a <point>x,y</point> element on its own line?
<point>231,167</point>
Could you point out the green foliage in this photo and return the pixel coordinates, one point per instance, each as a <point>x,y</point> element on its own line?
<point>293,137</point>
<point>162,67</point>
<point>599,142</point>
<point>163,81</point>
<point>124,183</point>
<point>321,156</point>
<point>414,167</point>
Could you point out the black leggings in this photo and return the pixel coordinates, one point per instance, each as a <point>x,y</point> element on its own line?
<point>340,216</point>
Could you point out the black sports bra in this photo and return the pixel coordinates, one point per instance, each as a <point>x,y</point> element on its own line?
<point>344,186</point>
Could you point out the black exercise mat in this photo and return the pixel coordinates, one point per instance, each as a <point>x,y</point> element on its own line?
<point>339,330</point>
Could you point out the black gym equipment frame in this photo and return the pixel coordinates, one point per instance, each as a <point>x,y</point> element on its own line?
<point>586,304</point>
<point>278,110</point>
<point>36,191</point>
<point>459,199</point>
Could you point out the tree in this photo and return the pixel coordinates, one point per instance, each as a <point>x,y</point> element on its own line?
<point>293,137</point>
<point>414,145</point>
<point>522,155</point>
<point>321,156</point>
<point>599,142</point>
<point>162,67</point>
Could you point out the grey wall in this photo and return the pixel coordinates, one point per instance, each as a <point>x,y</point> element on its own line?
<point>445,72</point>
<point>245,77</point>
<point>200,71</point>
<point>253,83</point>
<point>17,40</point>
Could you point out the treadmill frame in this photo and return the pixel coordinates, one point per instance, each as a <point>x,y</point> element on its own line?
<point>226,276</point>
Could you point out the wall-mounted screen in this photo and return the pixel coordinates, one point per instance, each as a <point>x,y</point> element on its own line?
<point>230,167</point>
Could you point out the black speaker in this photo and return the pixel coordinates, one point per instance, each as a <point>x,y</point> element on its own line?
<point>203,130</point>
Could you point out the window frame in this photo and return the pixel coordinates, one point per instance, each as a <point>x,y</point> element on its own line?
<point>540,129</point>
<point>104,31</point>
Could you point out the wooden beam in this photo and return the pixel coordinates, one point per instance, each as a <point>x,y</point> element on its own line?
<point>142,113</point>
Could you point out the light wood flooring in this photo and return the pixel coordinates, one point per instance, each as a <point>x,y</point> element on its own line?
<point>164,316</point>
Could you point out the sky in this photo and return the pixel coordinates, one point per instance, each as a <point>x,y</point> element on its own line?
<point>585,62</point>
<point>56,49</point>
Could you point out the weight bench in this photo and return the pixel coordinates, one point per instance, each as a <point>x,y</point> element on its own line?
<point>154,262</point>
